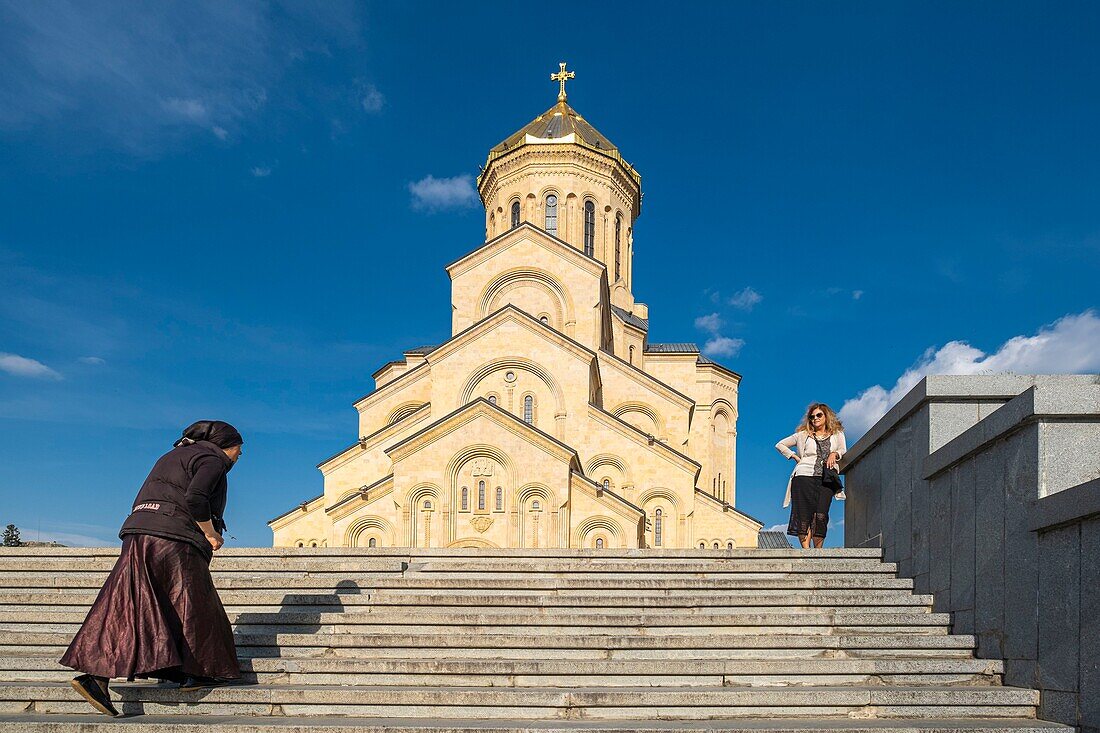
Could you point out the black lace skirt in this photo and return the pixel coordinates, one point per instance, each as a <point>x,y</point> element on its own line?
<point>810,502</point>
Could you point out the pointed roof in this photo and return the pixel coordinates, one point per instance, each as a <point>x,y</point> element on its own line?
<point>561,124</point>
<point>558,122</point>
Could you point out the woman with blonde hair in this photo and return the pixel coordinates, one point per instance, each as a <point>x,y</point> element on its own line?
<point>820,443</point>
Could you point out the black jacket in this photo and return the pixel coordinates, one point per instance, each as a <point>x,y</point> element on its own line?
<point>187,485</point>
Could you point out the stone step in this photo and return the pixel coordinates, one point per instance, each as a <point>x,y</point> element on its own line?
<point>685,703</point>
<point>250,724</point>
<point>624,602</point>
<point>346,584</point>
<point>468,567</point>
<point>406,553</point>
<point>569,673</point>
<point>13,642</point>
<point>341,621</point>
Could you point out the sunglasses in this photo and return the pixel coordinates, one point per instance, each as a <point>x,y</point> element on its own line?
<point>816,415</point>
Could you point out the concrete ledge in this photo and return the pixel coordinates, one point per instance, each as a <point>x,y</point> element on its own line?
<point>960,388</point>
<point>1037,404</point>
<point>1065,507</point>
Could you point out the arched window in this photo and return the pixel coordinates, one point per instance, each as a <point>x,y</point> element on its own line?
<point>716,546</point>
<point>529,410</point>
<point>552,214</point>
<point>481,495</point>
<point>599,543</point>
<point>702,545</point>
<point>729,545</point>
<point>372,542</point>
<point>312,544</point>
<point>427,505</point>
<point>492,225</point>
<point>545,319</point>
<point>465,499</point>
<point>500,499</point>
<point>301,544</point>
<point>618,245</point>
<point>589,228</point>
<point>606,484</point>
<point>515,214</point>
<point>536,506</point>
<point>658,528</point>
<point>492,399</point>
<point>631,354</point>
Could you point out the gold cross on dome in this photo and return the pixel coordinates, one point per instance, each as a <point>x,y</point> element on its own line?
<point>562,76</point>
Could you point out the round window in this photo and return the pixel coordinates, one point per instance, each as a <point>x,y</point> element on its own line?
<point>509,376</point>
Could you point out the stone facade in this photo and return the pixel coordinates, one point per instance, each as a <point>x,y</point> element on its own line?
<point>986,491</point>
<point>548,419</point>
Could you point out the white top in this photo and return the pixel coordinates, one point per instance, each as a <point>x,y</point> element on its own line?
<point>807,454</point>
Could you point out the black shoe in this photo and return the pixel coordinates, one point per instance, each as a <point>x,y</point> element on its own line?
<point>96,694</point>
<point>201,683</point>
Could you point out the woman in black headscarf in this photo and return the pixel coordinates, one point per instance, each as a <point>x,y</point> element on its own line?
<point>158,615</point>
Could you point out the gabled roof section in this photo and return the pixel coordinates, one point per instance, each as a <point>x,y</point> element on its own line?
<point>510,312</point>
<point>421,350</point>
<point>622,506</point>
<point>679,347</point>
<point>481,407</point>
<point>303,506</point>
<point>503,241</point>
<point>708,362</point>
<point>631,319</point>
<point>725,506</point>
<point>638,436</point>
<point>644,377</point>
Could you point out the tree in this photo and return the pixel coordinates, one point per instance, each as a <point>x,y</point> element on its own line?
<point>11,536</point>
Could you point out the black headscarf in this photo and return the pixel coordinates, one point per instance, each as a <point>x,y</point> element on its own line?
<point>221,434</point>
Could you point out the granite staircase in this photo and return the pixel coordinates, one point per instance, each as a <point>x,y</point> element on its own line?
<point>434,641</point>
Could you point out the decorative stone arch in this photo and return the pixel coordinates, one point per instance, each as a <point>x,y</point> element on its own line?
<point>535,369</point>
<point>585,533</point>
<point>473,542</point>
<point>454,486</point>
<point>403,410</point>
<point>565,312</point>
<point>524,523</point>
<point>722,405</point>
<point>605,460</point>
<point>650,413</point>
<point>414,509</point>
<point>658,497</point>
<point>366,527</point>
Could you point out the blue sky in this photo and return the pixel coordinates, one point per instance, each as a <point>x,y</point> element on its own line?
<point>224,210</point>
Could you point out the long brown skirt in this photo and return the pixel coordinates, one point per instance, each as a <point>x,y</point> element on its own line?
<point>158,615</point>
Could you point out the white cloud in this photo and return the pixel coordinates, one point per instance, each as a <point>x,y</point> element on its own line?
<point>857,294</point>
<point>261,171</point>
<point>21,366</point>
<point>371,99</point>
<point>436,194</point>
<point>777,528</point>
<point>92,360</point>
<point>723,346</point>
<point>746,299</point>
<point>711,323</point>
<point>191,110</point>
<point>1070,345</point>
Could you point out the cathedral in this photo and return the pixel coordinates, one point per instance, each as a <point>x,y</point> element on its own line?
<point>548,418</point>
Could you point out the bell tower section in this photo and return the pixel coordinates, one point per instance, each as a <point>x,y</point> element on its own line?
<point>561,175</point>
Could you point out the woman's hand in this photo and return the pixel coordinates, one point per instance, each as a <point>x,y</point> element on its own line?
<point>794,457</point>
<point>833,458</point>
<point>215,540</point>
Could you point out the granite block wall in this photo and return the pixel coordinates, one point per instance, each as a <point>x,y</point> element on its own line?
<point>984,490</point>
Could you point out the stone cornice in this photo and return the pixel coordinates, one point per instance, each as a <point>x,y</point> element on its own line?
<point>727,507</point>
<point>410,377</point>
<point>644,440</point>
<point>309,505</point>
<point>371,441</point>
<point>353,501</point>
<point>502,242</point>
<point>482,408</point>
<point>642,377</point>
<point>620,506</point>
<point>511,313</point>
